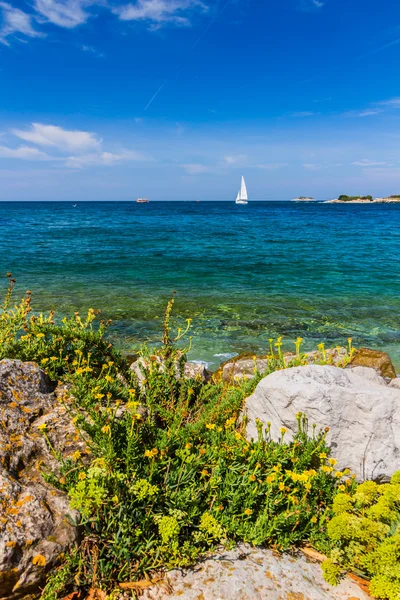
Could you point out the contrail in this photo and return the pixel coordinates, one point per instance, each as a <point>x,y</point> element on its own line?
<point>211,23</point>
<point>156,94</point>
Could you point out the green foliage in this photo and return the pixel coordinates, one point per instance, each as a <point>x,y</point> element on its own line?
<point>345,198</point>
<point>364,535</point>
<point>56,347</point>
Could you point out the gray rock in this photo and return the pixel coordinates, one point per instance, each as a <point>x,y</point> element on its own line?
<point>36,523</point>
<point>191,370</point>
<point>395,383</point>
<point>196,371</point>
<point>247,573</point>
<point>362,414</point>
<point>243,368</point>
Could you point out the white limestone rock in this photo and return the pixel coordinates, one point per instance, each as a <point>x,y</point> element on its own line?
<point>363,414</point>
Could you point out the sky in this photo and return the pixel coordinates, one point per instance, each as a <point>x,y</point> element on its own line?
<point>176,99</point>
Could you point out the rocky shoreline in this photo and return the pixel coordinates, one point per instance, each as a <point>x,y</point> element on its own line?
<point>363,201</point>
<point>358,404</point>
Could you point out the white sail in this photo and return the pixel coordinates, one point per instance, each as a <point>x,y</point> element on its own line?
<point>243,190</point>
<point>241,197</point>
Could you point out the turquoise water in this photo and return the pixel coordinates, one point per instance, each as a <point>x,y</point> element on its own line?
<point>242,273</point>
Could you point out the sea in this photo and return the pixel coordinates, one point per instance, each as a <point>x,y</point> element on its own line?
<point>241,273</point>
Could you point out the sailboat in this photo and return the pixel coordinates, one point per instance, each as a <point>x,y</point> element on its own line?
<point>241,197</point>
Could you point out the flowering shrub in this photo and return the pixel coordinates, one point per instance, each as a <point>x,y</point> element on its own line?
<point>168,472</point>
<point>364,535</point>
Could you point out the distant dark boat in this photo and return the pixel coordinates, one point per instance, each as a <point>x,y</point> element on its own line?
<point>142,201</point>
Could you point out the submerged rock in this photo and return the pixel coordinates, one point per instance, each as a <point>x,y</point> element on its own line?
<point>375,359</point>
<point>362,413</point>
<point>247,573</point>
<point>36,523</point>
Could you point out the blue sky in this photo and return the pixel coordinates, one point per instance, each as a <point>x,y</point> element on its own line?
<point>176,99</point>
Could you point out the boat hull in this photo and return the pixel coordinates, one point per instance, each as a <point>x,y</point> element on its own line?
<point>241,202</point>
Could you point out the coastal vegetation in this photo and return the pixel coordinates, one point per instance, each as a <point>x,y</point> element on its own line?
<point>167,474</point>
<point>345,198</point>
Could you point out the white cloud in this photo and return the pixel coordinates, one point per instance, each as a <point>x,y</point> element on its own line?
<point>365,162</point>
<point>160,12</point>
<point>107,159</point>
<point>195,169</point>
<point>272,166</point>
<point>63,139</point>
<point>92,50</point>
<point>394,102</point>
<point>234,159</point>
<point>15,21</point>
<point>23,153</point>
<point>303,113</point>
<point>64,13</point>
<point>369,112</point>
<point>311,166</point>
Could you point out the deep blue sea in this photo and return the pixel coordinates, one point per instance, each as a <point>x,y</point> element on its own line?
<point>242,273</point>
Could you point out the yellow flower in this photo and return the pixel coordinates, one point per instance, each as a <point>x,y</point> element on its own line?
<point>210,425</point>
<point>76,455</point>
<point>338,474</point>
<point>188,446</point>
<point>314,519</point>
<point>271,478</point>
<point>322,455</point>
<point>115,499</point>
<point>238,436</point>
<point>109,378</point>
<point>308,486</point>
<point>281,486</point>
<point>204,472</point>
<point>248,511</point>
<point>42,427</point>
<point>342,487</point>
<point>53,358</point>
<point>283,430</point>
<point>332,461</point>
<point>44,361</point>
<point>106,429</point>
<point>82,476</point>
<point>253,478</point>
<point>40,335</point>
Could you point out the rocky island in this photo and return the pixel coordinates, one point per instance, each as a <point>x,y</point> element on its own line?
<point>344,199</point>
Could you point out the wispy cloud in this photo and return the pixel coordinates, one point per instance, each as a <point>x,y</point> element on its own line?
<point>310,5</point>
<point>369,112</point>
<point>64,13</point>
<point>195,168</point>
<point>272,166</point>
<point>311,166</point>
<point>233,159</point>
<point>303,113</point>
<point>161,12</point>
<point>15,21</point>
<point>365,162</point>
<point>392,102</point>
<point>92,50</point>
<point>63,139</point>
<point>23,153</point>
<point>107,159</point>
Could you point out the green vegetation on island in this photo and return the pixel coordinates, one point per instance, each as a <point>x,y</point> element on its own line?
<point>344,198</point>
<point>167,473</point>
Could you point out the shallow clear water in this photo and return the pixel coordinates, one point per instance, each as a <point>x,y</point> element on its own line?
<point>242,273</point>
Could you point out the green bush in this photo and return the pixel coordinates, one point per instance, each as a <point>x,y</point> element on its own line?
<point>364,536</point>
